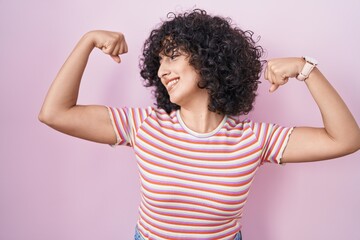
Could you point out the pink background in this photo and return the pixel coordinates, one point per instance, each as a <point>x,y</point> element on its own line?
<point>56,187</point>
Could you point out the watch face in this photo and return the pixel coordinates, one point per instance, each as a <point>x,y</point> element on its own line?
<point>311,60</point>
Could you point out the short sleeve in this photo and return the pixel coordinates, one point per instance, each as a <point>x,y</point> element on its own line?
<point>273,139</point>
<point>126,122</point>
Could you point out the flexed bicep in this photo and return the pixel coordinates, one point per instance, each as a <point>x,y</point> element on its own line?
<point>60,109</point>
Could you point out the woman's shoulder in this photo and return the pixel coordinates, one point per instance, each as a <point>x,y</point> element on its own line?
<point>241,122</point>
<point>153,112</point>
<point>238,120</point>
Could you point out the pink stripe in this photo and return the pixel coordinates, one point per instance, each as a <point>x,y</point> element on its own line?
<point>239,174</point>
<point>251,148</point>
<point>170,161</point>
<point>202,188</point>
<point>198,231</point>
<point>191,195</point>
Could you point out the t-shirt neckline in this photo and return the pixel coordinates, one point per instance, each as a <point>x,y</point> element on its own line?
<point>197,134</point>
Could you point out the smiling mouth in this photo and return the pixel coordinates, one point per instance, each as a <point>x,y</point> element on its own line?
<point>172,84</point>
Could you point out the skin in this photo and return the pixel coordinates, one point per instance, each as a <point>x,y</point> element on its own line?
<point>313,144</point>
<point>61,111</point>
<point>194,110</point>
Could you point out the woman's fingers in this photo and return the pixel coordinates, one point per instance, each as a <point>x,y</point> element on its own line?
<point>116,58</point>
<point>269,76</point>
<point>111,43</point>
<point>278,71</point>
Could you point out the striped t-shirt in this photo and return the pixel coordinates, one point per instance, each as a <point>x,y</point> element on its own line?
<point>194,185</point>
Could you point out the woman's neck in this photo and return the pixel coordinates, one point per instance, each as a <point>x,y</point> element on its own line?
<point>200,121</point>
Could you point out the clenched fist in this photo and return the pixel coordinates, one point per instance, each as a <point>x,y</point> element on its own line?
<point>111,43</point>
<point>278,71</point>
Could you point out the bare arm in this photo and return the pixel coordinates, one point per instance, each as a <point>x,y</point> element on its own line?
<point>339,136</point>
<point>60,110</point>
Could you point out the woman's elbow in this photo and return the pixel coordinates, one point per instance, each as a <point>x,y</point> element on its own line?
<point>47,117</point>
<point>352,144</point>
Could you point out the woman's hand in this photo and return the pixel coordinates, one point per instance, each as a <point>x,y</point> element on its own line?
<point>278,71</point>
<point>111,43</point>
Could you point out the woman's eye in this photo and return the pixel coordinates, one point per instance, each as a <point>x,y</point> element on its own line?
<point>172,57</point>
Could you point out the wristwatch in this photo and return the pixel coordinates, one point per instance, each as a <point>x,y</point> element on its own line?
<point>310,64</point>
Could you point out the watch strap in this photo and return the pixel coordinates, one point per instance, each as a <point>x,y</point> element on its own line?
<point>309,65</point>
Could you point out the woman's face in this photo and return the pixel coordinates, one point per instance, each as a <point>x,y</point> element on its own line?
<point>180,78</point>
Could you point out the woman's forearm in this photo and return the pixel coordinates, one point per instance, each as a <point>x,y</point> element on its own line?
<point>340,134</point>
<point>64,90</point>
<point>339,123</point>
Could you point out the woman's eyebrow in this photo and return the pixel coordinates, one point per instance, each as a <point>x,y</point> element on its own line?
<point>161,56</point>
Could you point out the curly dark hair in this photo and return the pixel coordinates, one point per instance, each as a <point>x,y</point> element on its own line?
<point>226,57</point>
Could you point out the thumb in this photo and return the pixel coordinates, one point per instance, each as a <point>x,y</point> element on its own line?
<point>116,58</point>
<point>273,87</point>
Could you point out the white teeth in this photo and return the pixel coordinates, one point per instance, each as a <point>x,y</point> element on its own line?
<point>172,83</point>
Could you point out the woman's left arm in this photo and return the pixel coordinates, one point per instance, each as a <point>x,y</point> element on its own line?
<point>340,134</point>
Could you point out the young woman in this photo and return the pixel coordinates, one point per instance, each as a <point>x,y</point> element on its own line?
<point>196,158</point>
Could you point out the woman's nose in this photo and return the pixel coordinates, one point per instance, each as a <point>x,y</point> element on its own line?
<point>163,70</point>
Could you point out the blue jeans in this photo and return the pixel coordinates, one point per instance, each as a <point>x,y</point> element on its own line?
<point>238,236</point>
<point>138,236</point>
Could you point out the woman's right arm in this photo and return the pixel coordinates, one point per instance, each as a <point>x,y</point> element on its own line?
<point>60,109</point>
